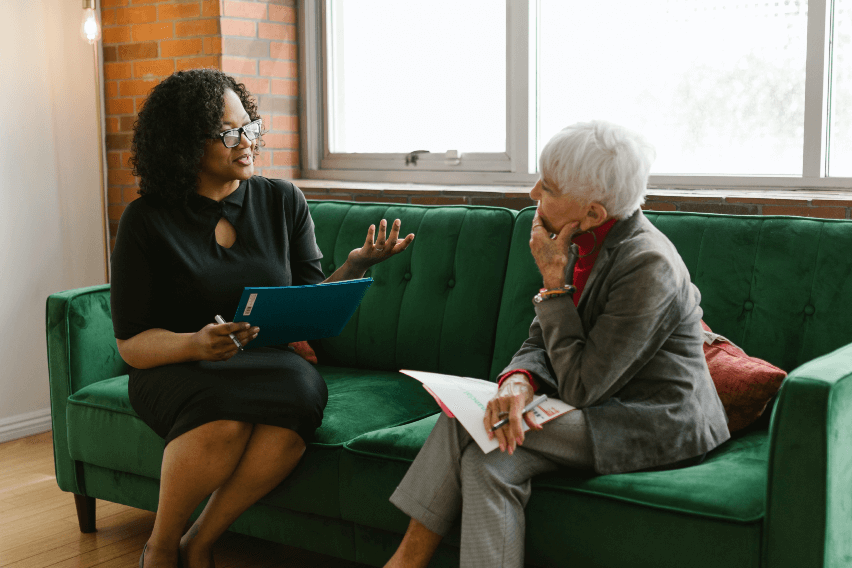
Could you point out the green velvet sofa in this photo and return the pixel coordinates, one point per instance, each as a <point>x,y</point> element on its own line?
<point>458,301</point>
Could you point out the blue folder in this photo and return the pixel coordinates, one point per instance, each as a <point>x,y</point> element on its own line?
<point>297,313</point>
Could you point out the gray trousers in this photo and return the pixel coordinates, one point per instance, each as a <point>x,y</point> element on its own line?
<point>452,475</point>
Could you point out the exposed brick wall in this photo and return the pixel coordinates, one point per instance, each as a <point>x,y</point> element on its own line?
<point>145,41</point>
<point>431,195</point>
<point>823,207</point>
<point>259,48</point>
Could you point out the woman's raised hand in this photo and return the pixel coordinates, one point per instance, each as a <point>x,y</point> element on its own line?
<point>214,344</point>
<point>551,254</point>
<point>377,248</point>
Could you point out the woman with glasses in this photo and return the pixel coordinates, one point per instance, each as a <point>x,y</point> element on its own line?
<point>203,229</point>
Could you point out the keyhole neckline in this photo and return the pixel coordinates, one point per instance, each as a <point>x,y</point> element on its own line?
<point>225,233</point>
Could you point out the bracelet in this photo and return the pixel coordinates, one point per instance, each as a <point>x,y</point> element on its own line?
<point>548,294</point>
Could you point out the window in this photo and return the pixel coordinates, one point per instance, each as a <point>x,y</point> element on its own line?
<point>840,125</point>
<point>717,86</point>
<point>393,87</point>
<point>732,93</point>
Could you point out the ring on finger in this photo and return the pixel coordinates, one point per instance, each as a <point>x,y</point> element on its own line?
<point>502,414</point>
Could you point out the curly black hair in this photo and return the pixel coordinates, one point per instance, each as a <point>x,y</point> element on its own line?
<point>179,117</point>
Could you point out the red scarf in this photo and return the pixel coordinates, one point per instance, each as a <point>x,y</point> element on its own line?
<point>590,245</point>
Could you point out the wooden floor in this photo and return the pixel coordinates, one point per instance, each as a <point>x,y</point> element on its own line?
<point>38,524</point>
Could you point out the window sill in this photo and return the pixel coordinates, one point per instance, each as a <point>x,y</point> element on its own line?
<point>338,186</point>
<point>823,204</point>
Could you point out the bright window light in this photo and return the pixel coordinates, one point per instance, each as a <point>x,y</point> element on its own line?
<point>840,134</point>
<point>717,86</point>
<point>411,76</point>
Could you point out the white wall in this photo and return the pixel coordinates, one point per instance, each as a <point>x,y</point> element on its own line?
<point>51,229</point>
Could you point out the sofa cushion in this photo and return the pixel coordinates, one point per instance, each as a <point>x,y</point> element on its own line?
<point>745,384</point>
<point>363,400</point>
<point>448,282</point>
<point>370,469</point>
<point>304,350</point>
<point>359,401</point>
<point>730,485</point>
<point>104,430</point>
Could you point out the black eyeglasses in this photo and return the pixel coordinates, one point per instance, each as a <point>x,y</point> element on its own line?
<point>231,138</point>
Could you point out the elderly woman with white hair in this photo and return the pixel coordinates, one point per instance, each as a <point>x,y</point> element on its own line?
<point>619,337</point>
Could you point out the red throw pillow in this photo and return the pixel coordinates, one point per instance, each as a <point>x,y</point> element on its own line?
<point>745,384</point>
<point>303,349</point>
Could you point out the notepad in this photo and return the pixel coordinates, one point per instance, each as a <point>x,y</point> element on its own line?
<point>297,313</point>
<point>465,399</point>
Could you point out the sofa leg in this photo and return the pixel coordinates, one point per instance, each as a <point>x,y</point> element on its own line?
<point>85,513</point>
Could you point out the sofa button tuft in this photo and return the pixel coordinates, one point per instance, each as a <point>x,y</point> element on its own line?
<point>749,305</point>
<point>809,310</point>
<point>330,268</point>
<point>407,276</point>
<point>451,283</point>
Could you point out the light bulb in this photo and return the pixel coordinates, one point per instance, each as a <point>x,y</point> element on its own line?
<point>90,29</point>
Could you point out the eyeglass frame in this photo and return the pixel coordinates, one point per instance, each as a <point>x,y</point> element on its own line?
<point>240,132</point>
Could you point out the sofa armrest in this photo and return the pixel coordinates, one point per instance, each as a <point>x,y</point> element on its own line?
<point>809,489</point>
<point>81,350</point>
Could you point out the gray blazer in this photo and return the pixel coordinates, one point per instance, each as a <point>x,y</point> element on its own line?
<point>630,354</point>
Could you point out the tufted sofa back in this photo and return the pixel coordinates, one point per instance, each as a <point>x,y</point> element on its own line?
<point>433,307</point>
<point>779,287</point>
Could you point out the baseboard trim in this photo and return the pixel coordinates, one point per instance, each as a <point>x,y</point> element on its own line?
<point>24,425</point>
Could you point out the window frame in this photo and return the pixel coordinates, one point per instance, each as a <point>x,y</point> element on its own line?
<point>511,167</point>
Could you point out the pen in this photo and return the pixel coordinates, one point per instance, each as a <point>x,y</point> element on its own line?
<point>231,335</point>
<point>527,408</point>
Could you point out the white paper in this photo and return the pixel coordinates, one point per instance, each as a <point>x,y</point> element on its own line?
<point>467,399</point>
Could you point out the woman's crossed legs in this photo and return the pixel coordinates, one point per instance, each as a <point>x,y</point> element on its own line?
<point>237,462</point>
<point>451,476</point>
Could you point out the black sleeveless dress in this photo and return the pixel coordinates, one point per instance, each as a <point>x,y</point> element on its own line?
<point>169,272</point>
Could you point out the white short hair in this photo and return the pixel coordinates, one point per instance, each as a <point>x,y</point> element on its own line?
<point>599,161</point>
